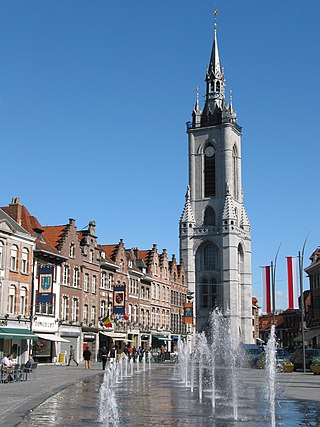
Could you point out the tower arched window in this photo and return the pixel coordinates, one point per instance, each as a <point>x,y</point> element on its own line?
<point>209,171</point>
<point>235,173</point>
<point>209,217</point>
<point>218,87</point>
<point>210,257</point>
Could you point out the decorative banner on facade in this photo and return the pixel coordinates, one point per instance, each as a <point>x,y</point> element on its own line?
<point>188,313</point>
<point>45,284</point>
<point>119,299</point>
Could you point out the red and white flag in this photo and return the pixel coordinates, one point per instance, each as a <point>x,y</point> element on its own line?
<point>293,293</point>
<point>266,290</point>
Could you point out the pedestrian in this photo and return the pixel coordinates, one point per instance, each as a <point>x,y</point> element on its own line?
<point>134,353</point>
<point>104,357</point>
<point>126,352</point>
<point>71,356</point>
<point>87,357</point>
<point>112,356</point>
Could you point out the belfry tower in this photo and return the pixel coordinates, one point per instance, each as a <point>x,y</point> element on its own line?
<point>215,240</point>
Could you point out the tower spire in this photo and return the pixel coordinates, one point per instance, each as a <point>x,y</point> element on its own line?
<point>215,93</point>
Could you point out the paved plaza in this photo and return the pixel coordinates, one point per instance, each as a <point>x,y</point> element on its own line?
<point>149,398</point>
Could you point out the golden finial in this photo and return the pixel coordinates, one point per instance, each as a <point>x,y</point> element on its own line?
<point>215,13</point>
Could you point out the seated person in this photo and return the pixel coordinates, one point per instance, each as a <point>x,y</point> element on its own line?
<point>30,362</point>
<point>7,361</point>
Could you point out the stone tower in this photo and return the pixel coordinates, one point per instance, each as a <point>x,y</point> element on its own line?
<point>215,240</point>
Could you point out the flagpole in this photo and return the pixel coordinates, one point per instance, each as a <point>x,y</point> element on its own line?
<point>301,255</point>
<point>273,282</point>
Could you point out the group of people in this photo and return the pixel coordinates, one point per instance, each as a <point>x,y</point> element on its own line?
<point>87,356</point>
<point>105,355</point>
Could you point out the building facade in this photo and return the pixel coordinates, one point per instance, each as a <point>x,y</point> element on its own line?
<point>215,238</point>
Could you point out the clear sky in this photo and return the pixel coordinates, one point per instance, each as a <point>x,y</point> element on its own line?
<point>94,96</point>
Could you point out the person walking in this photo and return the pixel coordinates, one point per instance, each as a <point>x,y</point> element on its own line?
<point>71,356</point>
<point>104,357</point>
<point>112,356</point>
<point>87,357</point>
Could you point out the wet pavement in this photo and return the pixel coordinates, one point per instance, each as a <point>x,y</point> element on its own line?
<point>156,398</point>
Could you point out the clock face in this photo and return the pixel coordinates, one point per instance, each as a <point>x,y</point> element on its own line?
<point>209,151</point>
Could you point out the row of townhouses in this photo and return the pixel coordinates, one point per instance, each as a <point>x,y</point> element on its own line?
<point>60,287</point>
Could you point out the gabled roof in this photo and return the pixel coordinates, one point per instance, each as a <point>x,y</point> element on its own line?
<point>30,223</point>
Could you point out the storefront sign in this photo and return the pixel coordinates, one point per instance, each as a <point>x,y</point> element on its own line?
<point>119,299</point>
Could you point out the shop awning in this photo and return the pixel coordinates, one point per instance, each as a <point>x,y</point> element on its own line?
<point>52,337</point>
<point>162,338</point>
<point>115,335</point>
<point>18,334</point>
<point>145,337</point>
<point>308,335</point>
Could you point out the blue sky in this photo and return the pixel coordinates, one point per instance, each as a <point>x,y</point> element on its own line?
<point>94,96</point>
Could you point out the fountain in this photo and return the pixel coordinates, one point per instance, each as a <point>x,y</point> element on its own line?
<point>108,409</point>
<point>216,369</point>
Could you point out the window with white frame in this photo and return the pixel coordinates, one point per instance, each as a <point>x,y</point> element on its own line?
<point>165,272</point>
<point>163,293</point>
<point>130,312</point>
<point>147,317</point>
<point>12,298</point>
<point>158,292</point>
<point>110,281</point>
<point>86,282</point>
<point>103,280</point>
<point>1,253</point>
<point>23,298</point>
<point>103,308</point>
<point>64,307</point>
<point>167,318</point>
<point>94,284</point>
<point>14,258</point>
<point>85,313</point>
<point>121,265</point>
<point>142,316</point>
<point>142,292</point>
<point>135,313</point>
<point>76,277</point>
<point>148,294</point>
<point>153,316</point>
<point>153,292</point>
<point>158,316</point>
<point>91,255</point>
<point>93,314</point>
<point>156,269</point>
<point>163,320</point>
<point>66,274</point>
<point>74,309</point>
<point>72,251</point>
<point>25,260</point>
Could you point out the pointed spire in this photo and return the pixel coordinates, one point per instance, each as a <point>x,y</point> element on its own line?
<point>187,214</point>
<point>229,212</point>
<point>196,113</point>
<point>215,93</point>
<point>215,58</point>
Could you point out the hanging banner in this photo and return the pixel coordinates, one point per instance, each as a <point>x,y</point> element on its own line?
<point>45,284</point>
<point>293,293</point>
<point>266,291</point>
<point>188,313</point>
<point>119,299</point>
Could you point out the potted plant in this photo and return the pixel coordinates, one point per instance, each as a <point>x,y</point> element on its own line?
<point>315,365</point>
<point>287,366</point>
<point>261,362</point>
